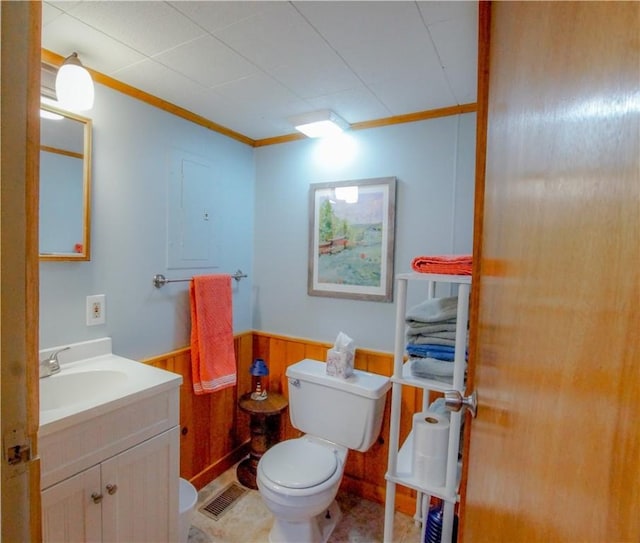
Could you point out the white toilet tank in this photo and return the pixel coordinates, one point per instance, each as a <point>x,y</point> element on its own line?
<point>345,411</point>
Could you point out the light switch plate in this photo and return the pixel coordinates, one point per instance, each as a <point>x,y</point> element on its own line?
<point>96,310</point>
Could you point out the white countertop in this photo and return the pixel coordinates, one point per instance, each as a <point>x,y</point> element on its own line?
<point>90,358</point>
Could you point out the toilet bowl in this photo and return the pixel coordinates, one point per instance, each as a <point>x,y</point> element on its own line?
<point>298,479</point>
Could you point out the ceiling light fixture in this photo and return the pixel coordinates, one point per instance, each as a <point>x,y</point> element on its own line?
<point>74,86</point>
<point>319,124</point>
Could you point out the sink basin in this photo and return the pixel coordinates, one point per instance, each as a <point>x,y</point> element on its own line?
<point>93,382</point>
<point>68,389</point>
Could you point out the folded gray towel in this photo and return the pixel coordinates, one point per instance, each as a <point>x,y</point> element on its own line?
<point>425,328</point>
<point>421,340</point>
<point>430,368</point>
<point>411,335</point>
<point>433,310</point>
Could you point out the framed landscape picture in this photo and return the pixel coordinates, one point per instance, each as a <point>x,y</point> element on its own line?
<point>351,239</point>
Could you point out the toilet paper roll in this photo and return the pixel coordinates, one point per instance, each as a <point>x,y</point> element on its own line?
<point>430,446</point>
<point>430,434</point>
<point>429,470</point>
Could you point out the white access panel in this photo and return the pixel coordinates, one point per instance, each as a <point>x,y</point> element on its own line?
<point>191,217</point>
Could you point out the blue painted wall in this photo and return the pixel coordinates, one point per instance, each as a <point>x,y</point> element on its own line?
<point>434,163</point>
<point>263,212</point>
<point>131,149</point>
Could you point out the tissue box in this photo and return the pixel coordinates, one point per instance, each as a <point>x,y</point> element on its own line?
<point>339,364</point>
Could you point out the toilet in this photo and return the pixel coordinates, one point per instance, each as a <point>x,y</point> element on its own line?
<point>188,497</point>
<point>298,479</point>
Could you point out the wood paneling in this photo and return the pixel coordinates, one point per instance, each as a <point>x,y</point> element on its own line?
<point>213,435</point>
<point>215,432</point>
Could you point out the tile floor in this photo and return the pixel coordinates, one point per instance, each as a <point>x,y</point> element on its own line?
<point>249,521</point>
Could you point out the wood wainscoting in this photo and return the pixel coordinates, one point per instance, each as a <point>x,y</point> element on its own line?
<point>215,432</point>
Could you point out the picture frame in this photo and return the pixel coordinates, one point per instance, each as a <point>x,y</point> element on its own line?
<point>352,239</point>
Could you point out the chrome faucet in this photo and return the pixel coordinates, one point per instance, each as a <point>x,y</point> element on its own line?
<point>51,365</point>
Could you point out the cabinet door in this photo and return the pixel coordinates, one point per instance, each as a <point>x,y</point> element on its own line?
<point>69,513</point>
<point>143,502</point>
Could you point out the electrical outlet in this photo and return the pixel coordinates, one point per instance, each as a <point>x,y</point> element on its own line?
<point>96,310</point>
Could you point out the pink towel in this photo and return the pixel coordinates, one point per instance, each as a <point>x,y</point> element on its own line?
<point>213,359</point>
<point>450,265</point>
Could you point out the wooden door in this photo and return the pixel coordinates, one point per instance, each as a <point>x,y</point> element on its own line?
<point>19,167</point>
<point>555,450</point>
<point>69,513</point>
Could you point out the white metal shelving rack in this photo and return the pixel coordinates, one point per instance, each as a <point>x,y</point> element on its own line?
<point>399,470</point>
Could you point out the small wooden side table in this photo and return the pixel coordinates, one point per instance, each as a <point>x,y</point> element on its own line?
<point>265,432</point>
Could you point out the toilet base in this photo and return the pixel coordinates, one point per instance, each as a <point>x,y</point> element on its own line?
<point>316,530</point>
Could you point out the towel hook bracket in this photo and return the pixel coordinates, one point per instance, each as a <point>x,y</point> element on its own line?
<point>159,280</point>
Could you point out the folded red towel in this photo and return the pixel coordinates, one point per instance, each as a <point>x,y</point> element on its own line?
<point>449,265</point>
<point>213,360</point>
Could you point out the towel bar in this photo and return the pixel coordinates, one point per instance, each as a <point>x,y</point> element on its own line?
<point>160,280</point>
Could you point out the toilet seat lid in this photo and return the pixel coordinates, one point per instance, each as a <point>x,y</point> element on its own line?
<point>299,464</point>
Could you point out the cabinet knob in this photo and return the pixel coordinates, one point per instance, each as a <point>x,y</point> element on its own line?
<point>112,489</point>
<point>97,498</point>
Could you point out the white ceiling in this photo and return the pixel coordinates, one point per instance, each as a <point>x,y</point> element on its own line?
<point>250,65</point>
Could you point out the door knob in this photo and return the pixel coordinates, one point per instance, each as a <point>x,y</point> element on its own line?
<point>454,401</point>
<point>112,489</point>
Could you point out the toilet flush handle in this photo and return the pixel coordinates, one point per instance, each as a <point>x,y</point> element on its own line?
<point>295,382</point>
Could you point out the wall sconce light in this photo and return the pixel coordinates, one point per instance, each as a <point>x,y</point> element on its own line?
<point>258,370</point>
<point>319,124</point>
<point>74,86</point>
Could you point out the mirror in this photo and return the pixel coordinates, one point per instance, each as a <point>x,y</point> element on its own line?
<point>65,185</point>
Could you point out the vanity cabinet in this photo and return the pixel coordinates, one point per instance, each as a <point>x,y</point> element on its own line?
<point>114,476</point>
<point>124,498</point>
<point>400,465</point>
